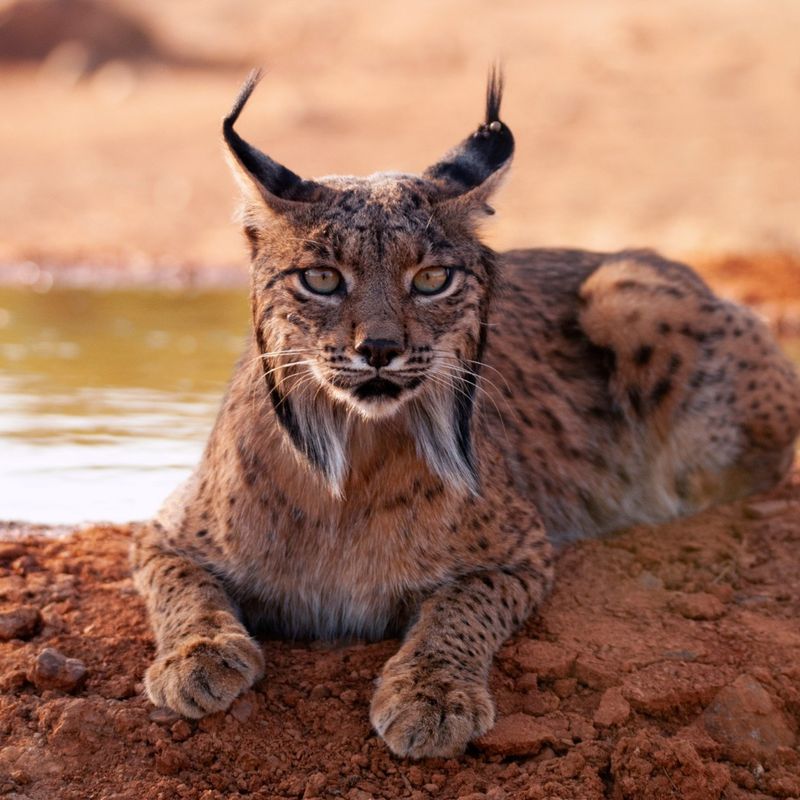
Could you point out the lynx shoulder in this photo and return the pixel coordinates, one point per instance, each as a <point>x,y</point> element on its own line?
<point>417,421</point>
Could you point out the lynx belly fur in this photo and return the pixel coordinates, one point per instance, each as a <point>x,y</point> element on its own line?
<point>417,421</point>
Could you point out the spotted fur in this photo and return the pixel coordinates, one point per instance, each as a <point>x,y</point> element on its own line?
<point>544,395</point>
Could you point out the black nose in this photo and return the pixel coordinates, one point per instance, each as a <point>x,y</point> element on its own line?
<point>378,352</point>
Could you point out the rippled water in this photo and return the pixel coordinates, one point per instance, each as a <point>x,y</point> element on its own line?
<point>106,398</point>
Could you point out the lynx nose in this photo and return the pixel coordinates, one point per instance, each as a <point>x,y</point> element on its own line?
<point>378,352</point>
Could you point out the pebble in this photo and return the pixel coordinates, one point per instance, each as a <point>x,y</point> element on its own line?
<point>614,709</point>
<point>10,551</point>
<point>672,688</point>
<point>319,692</point>
<point>744,718</point>
<point>697,606</point>
<point>539,703</point>
<point>21,622</point>
<point>596,674</point>
<point>181,730</point>
<point>53,670</point>
<point>549,661</point>
<point>521,735</point>
<point>314,785</point>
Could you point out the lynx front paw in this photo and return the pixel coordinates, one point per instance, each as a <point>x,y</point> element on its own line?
<point>425,716</point>
<point>204,674</point>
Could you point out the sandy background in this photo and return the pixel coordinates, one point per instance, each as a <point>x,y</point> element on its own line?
<point>668,125</point>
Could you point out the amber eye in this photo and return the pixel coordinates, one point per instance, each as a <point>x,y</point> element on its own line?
<point>431,280</point>
<point>321,280</point>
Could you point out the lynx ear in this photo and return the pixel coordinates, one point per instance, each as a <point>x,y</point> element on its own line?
<point>475,167</point>
<point>260,177</point>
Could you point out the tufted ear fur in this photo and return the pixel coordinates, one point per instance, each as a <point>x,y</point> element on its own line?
<point>263,180</point>
<point>471,172</point>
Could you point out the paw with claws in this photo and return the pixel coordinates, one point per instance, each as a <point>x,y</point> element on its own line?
<point>421,714</point>
<point>204,674</point>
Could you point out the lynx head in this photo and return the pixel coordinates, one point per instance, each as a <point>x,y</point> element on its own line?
<point>370,295</point>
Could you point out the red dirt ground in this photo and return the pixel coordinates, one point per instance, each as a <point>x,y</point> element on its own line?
<point>664,665</point>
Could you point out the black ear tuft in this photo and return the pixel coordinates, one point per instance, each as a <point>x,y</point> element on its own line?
<point>494,94</point>
<point>480,155</point>
<point>272,178</point>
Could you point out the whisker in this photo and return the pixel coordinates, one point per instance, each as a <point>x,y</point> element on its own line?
<point>480,390</point>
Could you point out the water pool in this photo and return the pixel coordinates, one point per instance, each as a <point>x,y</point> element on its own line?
<point>107,397</point>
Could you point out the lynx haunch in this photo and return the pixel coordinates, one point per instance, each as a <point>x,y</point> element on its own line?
<point>417,421</point>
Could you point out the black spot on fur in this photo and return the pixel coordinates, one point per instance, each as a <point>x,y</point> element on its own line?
<point>660,391</point>
<point>643,355</point>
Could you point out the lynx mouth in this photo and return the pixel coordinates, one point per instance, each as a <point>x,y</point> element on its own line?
<point>377,389</point>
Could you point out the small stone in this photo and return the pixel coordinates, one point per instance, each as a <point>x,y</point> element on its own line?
<point>744,719</point>
<point>319,692</point>
<point>614,709</point>
<point>9,551</point>
<point>539,703</point>
<point>672,688</point>
<point>549,661</point>
<point>21,622</point>
<point>596,674</point>
<point>53,670</point>
<point>359,794</point>
<point>697,605</point>
<point>181,730</point>
<point>521,735</point>
<point>171,760</point>
<point>348,696</point>
<point>315,784</point>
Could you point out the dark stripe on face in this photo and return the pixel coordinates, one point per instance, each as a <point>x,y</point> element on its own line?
<point>284,412</point>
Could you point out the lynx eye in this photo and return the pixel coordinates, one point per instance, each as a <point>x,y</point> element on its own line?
<point>321,280</point>
<point>431,280</point>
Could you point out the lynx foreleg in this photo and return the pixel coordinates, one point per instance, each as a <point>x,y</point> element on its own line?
<point>205,656</point>
<point>433,696</point>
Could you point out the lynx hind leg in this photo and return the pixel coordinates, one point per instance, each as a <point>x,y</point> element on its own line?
<point>646,312</point>
<point>704,374</point>
<point>205,656</point>
<point>432,696</point>
<point>766,394</point>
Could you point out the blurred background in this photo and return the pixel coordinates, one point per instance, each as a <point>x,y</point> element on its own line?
<point>672,125</point>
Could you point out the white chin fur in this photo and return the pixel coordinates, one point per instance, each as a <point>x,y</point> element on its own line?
<point>376,408</point>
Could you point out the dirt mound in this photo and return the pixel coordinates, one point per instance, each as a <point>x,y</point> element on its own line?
<point>83,35</point>
<point>31,29</point>
<point>664,665</point>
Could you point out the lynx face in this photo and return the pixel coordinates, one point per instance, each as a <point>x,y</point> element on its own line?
<point>380,304</point>
<point>370,296</point>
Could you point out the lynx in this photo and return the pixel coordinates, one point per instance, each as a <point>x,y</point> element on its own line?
<point>418,422</point>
